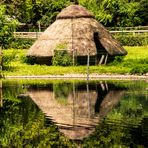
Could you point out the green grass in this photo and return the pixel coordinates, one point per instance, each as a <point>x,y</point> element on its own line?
<point>135,62</point>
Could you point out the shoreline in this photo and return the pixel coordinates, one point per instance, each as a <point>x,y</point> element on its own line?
<point>83,76</point>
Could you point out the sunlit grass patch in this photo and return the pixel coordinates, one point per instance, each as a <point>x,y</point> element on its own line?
<point>135,62</point>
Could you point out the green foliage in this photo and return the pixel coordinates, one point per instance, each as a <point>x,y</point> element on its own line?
<point>143,11</point>
<point>50,10</point>
<point>28,60</point>
<point>8,58</point>
<point>131,40</point>
<point>23,124</point>
<point>108,12</point>
<point>62,90</point>
<point>114,12</point>
<point>34,11</point>
<point>19,43</point>
<point>61,58</point>
<point>7,26</point>
<point>125,122</point>
<point>135,56</point>
<point>118,60</point>
<point>139,69</point>
<point>137,66</point>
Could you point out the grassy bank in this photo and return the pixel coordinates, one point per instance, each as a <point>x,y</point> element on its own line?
<point>136,62</point>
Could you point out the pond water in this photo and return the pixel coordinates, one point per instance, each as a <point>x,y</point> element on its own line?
<point>58,113</point>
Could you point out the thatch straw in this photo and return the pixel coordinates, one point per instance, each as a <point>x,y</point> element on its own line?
<point>74,31</point>
<point>74,11</point>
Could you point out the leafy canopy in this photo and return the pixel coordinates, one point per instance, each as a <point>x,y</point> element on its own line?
<point>7,26</point>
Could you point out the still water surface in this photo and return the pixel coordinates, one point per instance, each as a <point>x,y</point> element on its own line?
<point>45,113</point>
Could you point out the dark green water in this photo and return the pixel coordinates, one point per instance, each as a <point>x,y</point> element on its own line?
<point>45,113</point>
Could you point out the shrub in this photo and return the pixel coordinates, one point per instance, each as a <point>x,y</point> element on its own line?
<point>62,91</point>
<point>139,69</point>
<point>7,26</point>
<point>130,40</point>
<point>22,43</point>
<point>61,58</point>
<point>117,60</point>
<point>7,58</point>
<point>28,60</point>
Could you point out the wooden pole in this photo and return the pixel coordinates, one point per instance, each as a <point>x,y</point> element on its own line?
<point>36,35</point>
<point>39,26</point>
<point>74,98</point>
<point>72,42</point>
<point>1,97</point>
<point>101,60</point>
<point>88,72</point>
<point>106,59</point>
<point>89,103</point>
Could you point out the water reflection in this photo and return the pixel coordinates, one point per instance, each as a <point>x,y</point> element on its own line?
<point>1,103</point>
<point>76,107</point>
<point>98,114</point>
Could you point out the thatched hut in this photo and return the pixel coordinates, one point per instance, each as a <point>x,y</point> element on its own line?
<point>76,31</point>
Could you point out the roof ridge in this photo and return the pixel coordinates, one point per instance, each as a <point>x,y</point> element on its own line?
<point>74,11</point>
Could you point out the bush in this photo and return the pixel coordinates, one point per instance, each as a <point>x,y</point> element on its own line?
<point>130,40</point>
<point>139,69</point>
<point>7,58</point>
<point>61,58</point>
<point>7,26</point>
<point>117,60</point>
<point>62,91</point>
<point>28,60</point>
<point>22,43</point>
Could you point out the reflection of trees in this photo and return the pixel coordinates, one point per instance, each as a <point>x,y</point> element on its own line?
<point>127,124</point>
<point>85,106</point>
<point>1,101</point>
<point>23,125</point>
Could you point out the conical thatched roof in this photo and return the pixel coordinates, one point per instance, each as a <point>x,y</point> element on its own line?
<point>74,31</point>
<point>75,11</point>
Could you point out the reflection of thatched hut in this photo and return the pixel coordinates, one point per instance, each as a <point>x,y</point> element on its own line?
<point>76,116</point>
<point>1,101</point>
<point>0,62</point>
<point>76,31</point>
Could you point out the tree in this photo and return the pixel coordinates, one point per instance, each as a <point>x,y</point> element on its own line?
<point>108,12</point>
<point>50,10</point>
<point>7,26</point>
<point>114,12</point>
<point>143,12</point>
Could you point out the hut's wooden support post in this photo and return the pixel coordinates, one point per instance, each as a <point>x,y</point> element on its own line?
<point>106,86</point>
<point>106,59</point>
<point>102,86</point>
<point>101,60</point>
